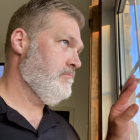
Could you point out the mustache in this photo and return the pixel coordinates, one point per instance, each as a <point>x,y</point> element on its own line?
<point>70,71</point>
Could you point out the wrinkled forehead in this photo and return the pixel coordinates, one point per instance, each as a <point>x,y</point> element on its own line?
<point>58,16</point>
<point>63,21</point>
<point>55,19</point>
<point>63,26</point>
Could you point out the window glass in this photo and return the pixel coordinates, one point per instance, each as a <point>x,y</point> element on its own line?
<point>130,38</point>
<point>1,69</point>
<point>135,98</point>
<point>133,35</point>
<point>138,14</point>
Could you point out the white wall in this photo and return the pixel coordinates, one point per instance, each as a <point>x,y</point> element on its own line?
<point>108,66</point>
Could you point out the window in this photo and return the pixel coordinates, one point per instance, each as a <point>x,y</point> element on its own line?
<point>1,69</point>
<point>128,25</point>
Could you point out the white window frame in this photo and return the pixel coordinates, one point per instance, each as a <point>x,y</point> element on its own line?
<point>121,76</point>
<point>121,69</point>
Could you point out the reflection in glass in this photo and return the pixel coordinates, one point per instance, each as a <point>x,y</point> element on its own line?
<point>133,34</point>
<point>129,48</point>
<point>130,38</point>
<point>136,99</point>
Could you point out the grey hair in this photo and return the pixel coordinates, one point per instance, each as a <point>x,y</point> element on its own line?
<point>30,17</point>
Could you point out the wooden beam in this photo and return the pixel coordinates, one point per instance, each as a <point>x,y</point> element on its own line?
<point>95,91</point>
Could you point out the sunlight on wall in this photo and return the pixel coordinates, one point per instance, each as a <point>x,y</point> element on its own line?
<point>106,78</point>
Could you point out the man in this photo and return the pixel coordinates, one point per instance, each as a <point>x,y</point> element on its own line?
<point>42,48</point>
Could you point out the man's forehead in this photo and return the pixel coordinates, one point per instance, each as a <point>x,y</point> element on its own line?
<point>60,17</point>
<point>63,25</point>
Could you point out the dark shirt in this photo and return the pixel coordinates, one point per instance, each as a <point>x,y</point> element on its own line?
<point>14,126</point>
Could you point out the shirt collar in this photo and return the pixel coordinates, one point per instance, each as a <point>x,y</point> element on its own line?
<point>46,110</point>
<point>12,115</point>
<point>2,106</point>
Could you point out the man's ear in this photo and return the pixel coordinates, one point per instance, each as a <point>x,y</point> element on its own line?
<point>18,40</point>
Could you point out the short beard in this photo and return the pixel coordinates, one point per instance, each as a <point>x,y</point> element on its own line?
<point>46,84</point>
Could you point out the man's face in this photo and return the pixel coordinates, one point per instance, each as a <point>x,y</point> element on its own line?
<point>49,68</point>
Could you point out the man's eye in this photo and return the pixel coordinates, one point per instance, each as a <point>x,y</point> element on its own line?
<point>64,42</point>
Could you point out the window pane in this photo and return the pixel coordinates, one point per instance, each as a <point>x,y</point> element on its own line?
<point>129,27</point>
<point>135,98</point>
<point>1,70</point>
<point>133,34</point>
<point>129,47</point>
<point>138,14</point>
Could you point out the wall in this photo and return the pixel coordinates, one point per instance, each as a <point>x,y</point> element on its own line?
<point>79,99</point>
<point>108,66</point>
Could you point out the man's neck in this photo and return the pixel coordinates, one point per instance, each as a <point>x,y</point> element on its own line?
<point>19,96</point>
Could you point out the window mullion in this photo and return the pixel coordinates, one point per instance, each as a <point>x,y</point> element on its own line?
<point>137,28</point>
<point>122,49</point>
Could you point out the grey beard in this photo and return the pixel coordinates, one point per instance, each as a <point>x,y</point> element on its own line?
<point>49,87</point>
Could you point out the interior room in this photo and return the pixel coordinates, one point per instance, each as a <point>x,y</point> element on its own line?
<point>110,56</point>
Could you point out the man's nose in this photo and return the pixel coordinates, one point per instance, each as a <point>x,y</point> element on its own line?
<point>74,61</point>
